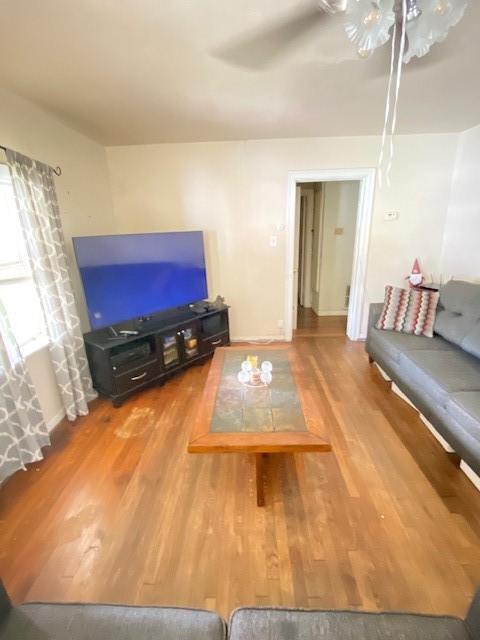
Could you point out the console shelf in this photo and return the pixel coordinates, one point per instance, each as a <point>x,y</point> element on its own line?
<point>165,345</point>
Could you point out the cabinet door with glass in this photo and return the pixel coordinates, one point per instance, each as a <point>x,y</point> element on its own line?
<point>189,341</point>
<point>169,350</point>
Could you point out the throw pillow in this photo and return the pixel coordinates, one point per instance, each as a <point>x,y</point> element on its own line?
<point>409,311</point>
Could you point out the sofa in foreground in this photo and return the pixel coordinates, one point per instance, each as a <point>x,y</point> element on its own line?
<point>440,375</point>
<point>59,621</point>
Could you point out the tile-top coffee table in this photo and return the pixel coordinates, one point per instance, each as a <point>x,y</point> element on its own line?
<point>257,400</point>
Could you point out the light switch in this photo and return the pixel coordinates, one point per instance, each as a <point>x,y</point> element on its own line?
<point>273,241</point>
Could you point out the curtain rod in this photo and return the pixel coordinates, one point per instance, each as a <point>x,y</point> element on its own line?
<point>57,170</point>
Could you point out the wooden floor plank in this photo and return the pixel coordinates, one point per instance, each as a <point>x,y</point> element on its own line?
<point>119,511</point>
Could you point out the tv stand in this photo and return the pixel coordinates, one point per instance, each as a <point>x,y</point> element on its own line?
<point>162,346</point>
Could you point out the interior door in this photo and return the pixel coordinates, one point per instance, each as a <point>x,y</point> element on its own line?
<point>298,196</point>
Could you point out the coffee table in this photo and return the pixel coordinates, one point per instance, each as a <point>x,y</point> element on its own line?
<point>257,399</point>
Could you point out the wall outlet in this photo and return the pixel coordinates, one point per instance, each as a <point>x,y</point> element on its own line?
<point>273,241</point>
<point>391,215</point>
<point>280,324</point>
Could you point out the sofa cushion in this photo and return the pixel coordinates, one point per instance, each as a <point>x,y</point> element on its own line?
<point>440,373</point>
<point>464,407</point>
<point>394,343</point>
<point>408,311</point>
<point>109,622</point>
<point>458,314</point>
<point>293,624</point>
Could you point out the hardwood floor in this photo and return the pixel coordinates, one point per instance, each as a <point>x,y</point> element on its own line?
<point>119,511</point>
<point>309,325</point>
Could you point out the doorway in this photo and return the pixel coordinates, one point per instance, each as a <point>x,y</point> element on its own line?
<point>326,221</point>
<point>328,227</point>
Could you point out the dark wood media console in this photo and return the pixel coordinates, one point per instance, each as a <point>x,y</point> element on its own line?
<point>166,345</point>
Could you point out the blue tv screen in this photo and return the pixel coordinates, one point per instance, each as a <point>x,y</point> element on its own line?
<point>132,276</point>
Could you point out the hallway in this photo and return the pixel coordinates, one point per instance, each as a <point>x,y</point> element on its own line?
<point>309,325</point>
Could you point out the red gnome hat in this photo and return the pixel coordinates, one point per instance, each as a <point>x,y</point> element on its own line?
<point>415,278</point>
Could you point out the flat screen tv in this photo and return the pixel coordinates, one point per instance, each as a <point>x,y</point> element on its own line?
<point>134,276</point>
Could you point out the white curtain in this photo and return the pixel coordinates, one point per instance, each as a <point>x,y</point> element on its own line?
<point>23,431</point>
<point>37,204</point>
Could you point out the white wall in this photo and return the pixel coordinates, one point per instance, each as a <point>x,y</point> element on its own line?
<point>237,192</point>
<point>336,252</point>
<point>461,252</point>
<point>84,198</point>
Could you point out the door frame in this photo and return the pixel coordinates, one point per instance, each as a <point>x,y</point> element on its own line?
<point>306,266</point>
<point>296,254</point>
<point>366,177</point>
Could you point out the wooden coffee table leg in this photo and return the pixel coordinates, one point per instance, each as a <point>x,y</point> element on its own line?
<point>259,464</point>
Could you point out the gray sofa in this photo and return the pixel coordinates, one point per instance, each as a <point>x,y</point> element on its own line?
<point>440,375</point>
<point>56,621</point>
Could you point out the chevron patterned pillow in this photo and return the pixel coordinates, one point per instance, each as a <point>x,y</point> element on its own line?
<point>408,311</point>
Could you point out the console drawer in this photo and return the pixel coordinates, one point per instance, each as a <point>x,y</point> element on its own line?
<point>211,343</point>
<point>136,377</point>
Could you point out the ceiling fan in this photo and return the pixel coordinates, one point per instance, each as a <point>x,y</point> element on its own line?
<point>412,26</point>
<point>368,24</point>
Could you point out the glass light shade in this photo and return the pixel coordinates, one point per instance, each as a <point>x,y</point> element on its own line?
<point>333,6</point>
<point>368,23</point>
<point>438,16</point>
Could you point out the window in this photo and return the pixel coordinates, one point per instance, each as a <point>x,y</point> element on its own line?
<point>17,289</point>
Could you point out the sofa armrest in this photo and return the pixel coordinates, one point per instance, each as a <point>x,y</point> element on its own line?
<point>374,312</point>
<point>472,620</point>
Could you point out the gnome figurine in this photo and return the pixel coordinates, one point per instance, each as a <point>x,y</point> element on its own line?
<point>415,279</point>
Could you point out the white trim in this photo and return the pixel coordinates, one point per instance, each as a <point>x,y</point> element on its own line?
<point>383,373</point>
<point>401,395</point>
<point>366,177</point>
<point>57,418</point>
<point>470,473</point>
<point>32,346</point>
<point>258,339</point>
<point>341,312</point>
<point>436,435</point>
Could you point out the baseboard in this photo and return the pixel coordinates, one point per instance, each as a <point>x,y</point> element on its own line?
<point>258,339</point>
<point>331,313</point>
<point>384,375</point>
<point>436,435</point>
<point>401,395</point>
<point>471,475</point>
<point>57,418</point>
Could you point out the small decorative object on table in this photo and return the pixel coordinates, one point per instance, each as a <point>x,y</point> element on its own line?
<point>251,376</point>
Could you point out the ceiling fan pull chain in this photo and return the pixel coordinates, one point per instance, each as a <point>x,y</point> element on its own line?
<point>396,62</point>
<point>387,107</point>
<point>397,88</point>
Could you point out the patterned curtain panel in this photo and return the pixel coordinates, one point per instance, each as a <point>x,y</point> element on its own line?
<point>40,219</point>
<point>23,431</point>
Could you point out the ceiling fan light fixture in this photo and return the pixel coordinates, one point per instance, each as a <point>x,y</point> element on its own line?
<point>442,7</point>
<point>332,6</point>
<point>364,53</point>
<point>372,17</point>
<point>368,24</point>
<point>433,26</point>
<point>413,10</point>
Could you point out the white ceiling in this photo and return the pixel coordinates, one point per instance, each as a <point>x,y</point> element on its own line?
<point>146,71</point>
